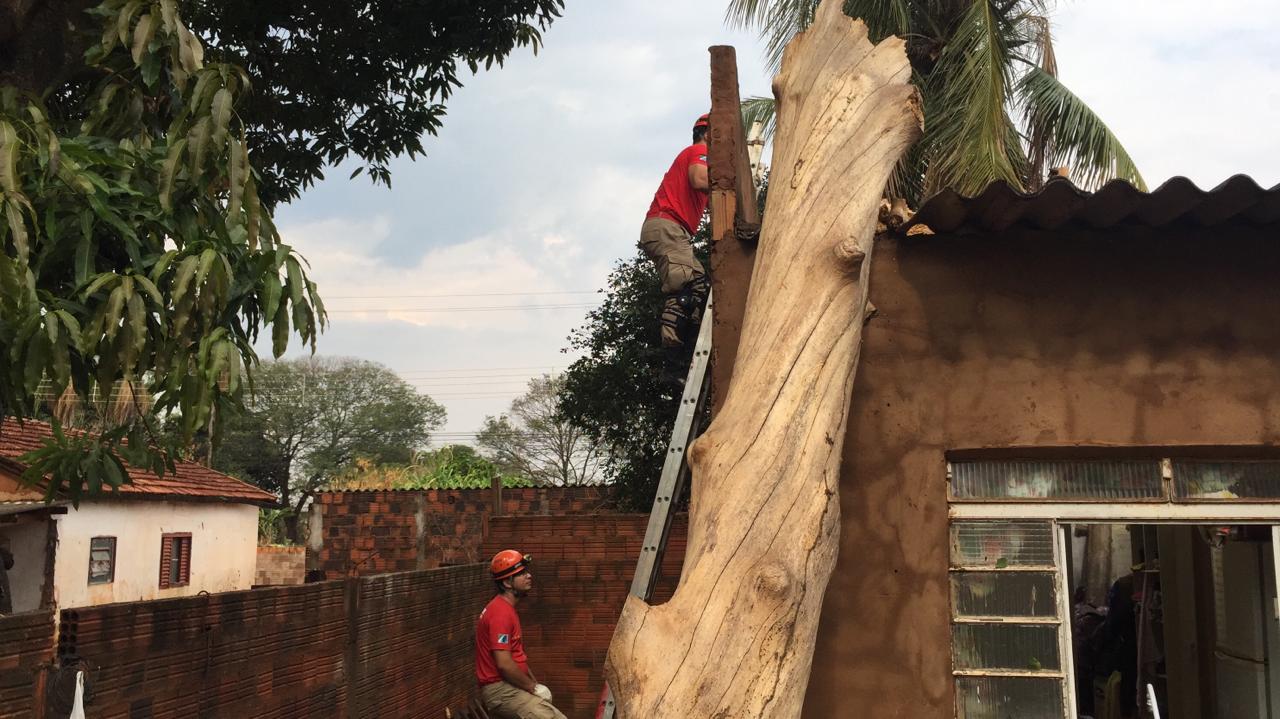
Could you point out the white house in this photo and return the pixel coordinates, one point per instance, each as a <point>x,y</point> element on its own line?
<point>192,531</point>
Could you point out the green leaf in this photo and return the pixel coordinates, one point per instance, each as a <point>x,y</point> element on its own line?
<point>8,157</point>
<point>167,172</point>
<point>142,36</point>
<point>270,294</point>
<point>98,283</point>
<point>296,282</point>
<point>149,287</point>
<point>221,114</point>
<point>17,229</point>
<point>115,307</point>
<point>280,330</point>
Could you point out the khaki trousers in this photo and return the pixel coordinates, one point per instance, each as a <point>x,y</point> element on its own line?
<point>504,701</point>
<point>667,244</point>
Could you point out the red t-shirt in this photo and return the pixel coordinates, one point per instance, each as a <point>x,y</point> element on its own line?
<point>676,199</point>
<point>498,628</point>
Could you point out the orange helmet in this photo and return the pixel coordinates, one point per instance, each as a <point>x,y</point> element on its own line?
<point>508,563</point>
<point>703,121</point>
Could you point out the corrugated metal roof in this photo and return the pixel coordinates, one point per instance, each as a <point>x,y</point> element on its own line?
<point>190,481</point>
<point>23,506</point>
<point>1176,203</point>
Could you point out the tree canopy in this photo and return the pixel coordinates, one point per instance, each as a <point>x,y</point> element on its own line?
<point>615,392</point>
<point>994,107</point>
<point>310,421</point>
<point>535,440</point>
<point>135,247</point>
<point>331,80</point>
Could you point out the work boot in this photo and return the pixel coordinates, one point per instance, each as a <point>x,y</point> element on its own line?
<point>674,319</point>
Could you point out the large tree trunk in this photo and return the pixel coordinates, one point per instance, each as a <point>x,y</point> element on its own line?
<point>737,638</point>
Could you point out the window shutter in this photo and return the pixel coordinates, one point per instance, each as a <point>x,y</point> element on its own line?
<point>184,565</point>
<point>166,560</point>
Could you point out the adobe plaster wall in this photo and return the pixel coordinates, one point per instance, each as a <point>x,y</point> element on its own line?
<point>1031,340</point>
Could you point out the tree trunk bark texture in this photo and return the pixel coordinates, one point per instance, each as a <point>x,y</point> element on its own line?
<point>737,638</point>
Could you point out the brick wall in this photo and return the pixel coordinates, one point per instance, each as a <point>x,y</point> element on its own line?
<point>279,565</point>
<point>582,567</point>
<point>26,645</point>
<point>394,645</point>
<point>375,531</point>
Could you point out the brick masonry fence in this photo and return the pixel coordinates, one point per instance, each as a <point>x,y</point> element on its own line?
<point>280,565</point>
<point>388,646</point>
<point>374,531</point>
<point>26,647</point>
<point>582,568</point>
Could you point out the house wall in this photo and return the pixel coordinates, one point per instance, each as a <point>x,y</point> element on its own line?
<point>224,541</point>
<point>1155,339</point>
<point>28,540</point>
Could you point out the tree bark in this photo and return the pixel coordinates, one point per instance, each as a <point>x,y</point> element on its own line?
<point>737,638</point>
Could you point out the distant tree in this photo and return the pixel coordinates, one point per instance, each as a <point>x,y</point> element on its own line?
<point>309,421</point>
<point>993,104</point>
<point>534,439</point>
<point>331,80</point>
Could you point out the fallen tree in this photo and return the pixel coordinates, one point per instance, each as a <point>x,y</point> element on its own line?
<point>737,638</point>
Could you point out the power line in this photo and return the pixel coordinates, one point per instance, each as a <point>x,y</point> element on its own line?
<point>451,295</point>
<point>494,308</point>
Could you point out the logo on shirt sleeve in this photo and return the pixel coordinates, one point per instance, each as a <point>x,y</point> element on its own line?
<point>502,638</point>
<point>702,157</point>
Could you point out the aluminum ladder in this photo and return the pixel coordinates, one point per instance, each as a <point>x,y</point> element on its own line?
<point>675,472</point>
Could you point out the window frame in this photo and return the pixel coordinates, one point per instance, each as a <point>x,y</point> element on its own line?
<point>168,541</point>
<point>111,575</point>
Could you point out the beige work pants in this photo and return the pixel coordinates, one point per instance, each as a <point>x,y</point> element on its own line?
<point>504,701</point>
<point>667,244</point>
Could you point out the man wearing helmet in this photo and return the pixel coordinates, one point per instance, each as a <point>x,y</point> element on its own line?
<point>668,227</point>
<point>508,688</point>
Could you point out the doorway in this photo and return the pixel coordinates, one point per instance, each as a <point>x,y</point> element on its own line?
<point>1181,613</point>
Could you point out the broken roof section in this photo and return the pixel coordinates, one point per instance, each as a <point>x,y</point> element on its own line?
<point>1176,203</point>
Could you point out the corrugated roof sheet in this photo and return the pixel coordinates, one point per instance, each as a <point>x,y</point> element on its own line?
<point>1176,203</point>
<point>191,480</point>
<point>30,505</point>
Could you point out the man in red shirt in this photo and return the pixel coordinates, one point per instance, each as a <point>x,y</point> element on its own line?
<point>668,227</point>
<point>507,686</point>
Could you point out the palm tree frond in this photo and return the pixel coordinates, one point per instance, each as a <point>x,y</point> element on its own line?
<point>778,20</point>
<point>883,17</point>
<point>970,137</point>
<point>1076,137</point>
<point>761,110</point>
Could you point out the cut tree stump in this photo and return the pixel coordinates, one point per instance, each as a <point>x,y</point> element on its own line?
<point>736,640</point>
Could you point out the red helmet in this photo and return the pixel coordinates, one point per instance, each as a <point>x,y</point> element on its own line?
<point>703,121</point>
<point>508,563</point>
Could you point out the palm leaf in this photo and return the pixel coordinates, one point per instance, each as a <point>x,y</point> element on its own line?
<point>1077,138</point>
<point>778,20</point>
<point>883,17</point>
<point>761,110</point>
<point>970,137</point>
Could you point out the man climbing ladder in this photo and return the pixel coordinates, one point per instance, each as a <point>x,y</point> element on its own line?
<point>665,237</point>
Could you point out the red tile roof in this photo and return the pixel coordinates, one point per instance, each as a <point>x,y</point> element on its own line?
<point>191,481</point>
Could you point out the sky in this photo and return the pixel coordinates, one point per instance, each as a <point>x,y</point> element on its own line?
<point>468,274</point>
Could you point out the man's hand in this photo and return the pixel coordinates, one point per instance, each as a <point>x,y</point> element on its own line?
<point>511,672</point>
<point>698,178</point>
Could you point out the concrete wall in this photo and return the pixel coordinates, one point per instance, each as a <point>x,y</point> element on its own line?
<point>224,541</point>
<point>1152,339</point>
<point>28,540</point>
<point>281,565</point>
